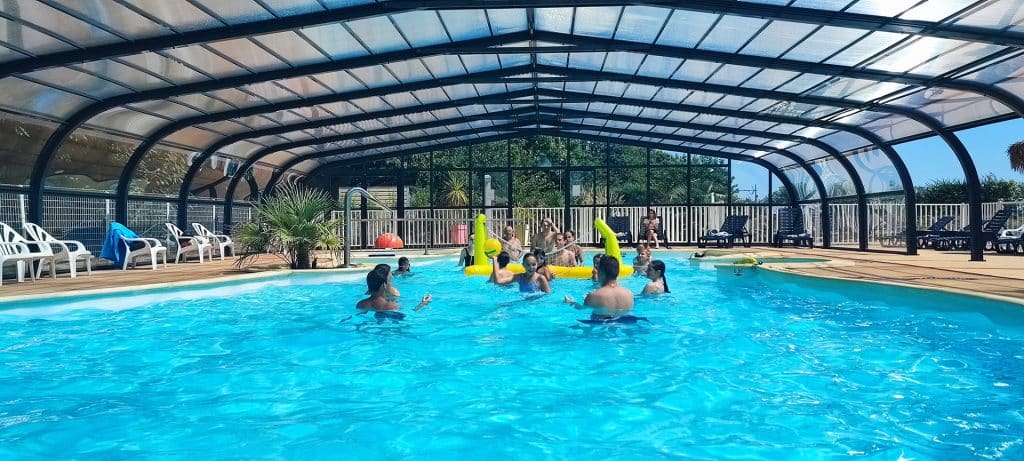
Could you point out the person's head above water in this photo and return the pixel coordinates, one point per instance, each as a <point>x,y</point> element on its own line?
<point>503,259</point>
<point>570,236</point>
<point>546,224</point>
<point>403,264</point>
<point>376,280</point>
<point>656,270</point>
<point>539,254</point>
<point>530,263</point>
<point>560,240</point>
<point>597,258</point>
<point>607,270</point>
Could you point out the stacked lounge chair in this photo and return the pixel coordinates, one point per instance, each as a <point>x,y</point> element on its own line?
<point>734,227</point>
<point>934,231</point>
<point>961,240</point>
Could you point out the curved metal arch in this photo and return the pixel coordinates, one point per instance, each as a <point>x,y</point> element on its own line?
<point>786,13</point>
<point>57,138</point>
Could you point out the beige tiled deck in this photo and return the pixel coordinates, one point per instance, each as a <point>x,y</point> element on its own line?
<point>999,275</point>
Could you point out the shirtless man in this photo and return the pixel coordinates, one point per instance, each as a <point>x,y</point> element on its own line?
<point>563,255</point>
<point>511,244</point>
<point>610,302</point>
<point>545,239</point>
<point>378,286</point>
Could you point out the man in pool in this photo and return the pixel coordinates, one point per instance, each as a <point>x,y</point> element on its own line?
<point>529,281</point>
<point>511,244</point>
<point>609,303</point>
<point>545,238</point>
<point>563,255</point>
<point>378,284</point>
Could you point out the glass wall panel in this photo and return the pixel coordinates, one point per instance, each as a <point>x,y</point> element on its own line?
<point>456,157</point>
<point>417,189</point>
<point>538,188</point>
<point>587,153</point>
<point>709,184</point>
<point>668,185</point>
<point>539,151</point>
<point>627,186</point>
<point>749,183</point>
<point>496,195</point>
<point>90,160</point>
<point>660,157</point>
<point>213,176</point>
<point>451,189</point>
<point>587,187</point>
<point>627,155</point>
<point>805,187</point>
<point>23,138</point>
<point>490,155</point>
<point>707,160</point>
<point>160,172</point>
<point>418,161</point>
<point>837,181</point>
<point>780,196</point>
<point>876,171</point>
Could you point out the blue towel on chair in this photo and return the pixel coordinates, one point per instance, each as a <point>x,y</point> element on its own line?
<point>113,249</point>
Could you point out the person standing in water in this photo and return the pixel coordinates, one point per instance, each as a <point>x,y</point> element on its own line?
<point>563,255</point>
<point>380,303</point>
<point>404,266</point>
<point>545,238</point>
<point>529,282</point>
<point>609,302</point>
<point>658,284</point>
<point>570,239</point>
<point>511,244</point>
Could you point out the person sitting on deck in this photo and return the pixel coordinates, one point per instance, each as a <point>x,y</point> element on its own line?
<point>650,225</point>
<point>378,286</point>
<point>656,272</point>
<point>609,302</point>
<point>529,281</point>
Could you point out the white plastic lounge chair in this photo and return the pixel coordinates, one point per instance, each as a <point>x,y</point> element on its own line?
<point>150,247</point>
<point>1012,233</point>
<point>223,241</point>
<point>33,251</point>
<point>17,253</point>
<point>188,244</point>
<point>63,250</point>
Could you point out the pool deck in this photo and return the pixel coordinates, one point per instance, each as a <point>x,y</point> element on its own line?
<point>999,275</point>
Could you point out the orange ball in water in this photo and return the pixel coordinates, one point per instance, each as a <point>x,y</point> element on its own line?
<point>492,247</point>
<point>389,241</point>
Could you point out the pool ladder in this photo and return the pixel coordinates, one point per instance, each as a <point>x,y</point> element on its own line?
<point>348,215</point>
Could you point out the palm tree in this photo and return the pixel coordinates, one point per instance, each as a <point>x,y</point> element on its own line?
<point>1016,154</point>
<point>455,185</point>
<point>293,220</point>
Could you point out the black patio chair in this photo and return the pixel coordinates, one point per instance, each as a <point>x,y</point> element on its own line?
<point>620,226</point>
<point>733,228</point>
<point>792,229</point>
<point>933,231</point>
<point>989,233</point>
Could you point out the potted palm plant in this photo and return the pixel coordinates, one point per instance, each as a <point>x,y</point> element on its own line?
<point>455,194</point>
<point>293,222</point>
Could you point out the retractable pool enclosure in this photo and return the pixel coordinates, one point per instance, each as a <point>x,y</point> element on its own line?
<point>184,105</point>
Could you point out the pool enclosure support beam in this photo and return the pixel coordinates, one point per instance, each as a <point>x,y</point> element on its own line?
<point>293,22</point>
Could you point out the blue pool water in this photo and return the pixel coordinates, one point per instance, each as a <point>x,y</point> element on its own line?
<point>730,368</point>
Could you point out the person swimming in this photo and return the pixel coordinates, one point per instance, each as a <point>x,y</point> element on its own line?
<point>404,266</point>
<point>610,301</point>
<point>658,284</point>
<point>529,282</point>
<point>377,286</point>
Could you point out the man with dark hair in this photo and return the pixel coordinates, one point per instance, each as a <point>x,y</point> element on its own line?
<point>610,302</point>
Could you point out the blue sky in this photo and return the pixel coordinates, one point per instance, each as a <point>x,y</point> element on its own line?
<point>930,159</point>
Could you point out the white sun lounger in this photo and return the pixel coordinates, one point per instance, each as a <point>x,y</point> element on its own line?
<point>63,250</point>
<point>188,244</point>
<point>24,251</point>
<point>223,241</point>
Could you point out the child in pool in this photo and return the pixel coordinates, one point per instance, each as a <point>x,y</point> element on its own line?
<point>404,266</point>
<point>530,281</point>
<point>642,259</point>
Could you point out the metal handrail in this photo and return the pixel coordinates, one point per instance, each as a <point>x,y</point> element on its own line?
<point>348,214</point>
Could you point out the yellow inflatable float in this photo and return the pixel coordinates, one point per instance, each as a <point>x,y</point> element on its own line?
<point>611,248</point>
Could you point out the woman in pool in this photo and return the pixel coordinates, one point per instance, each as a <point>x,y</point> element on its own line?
<point>378,285</point>
<point>529,282</point>
<point>542,264</point>
<point>658,284</point>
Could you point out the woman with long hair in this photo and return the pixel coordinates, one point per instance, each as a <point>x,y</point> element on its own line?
<point>658,284</point>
